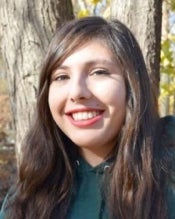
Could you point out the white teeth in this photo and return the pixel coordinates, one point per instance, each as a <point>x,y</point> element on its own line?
<point>84,115</point>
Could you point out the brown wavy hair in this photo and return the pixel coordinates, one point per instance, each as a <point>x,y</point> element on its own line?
<point>47,167</point>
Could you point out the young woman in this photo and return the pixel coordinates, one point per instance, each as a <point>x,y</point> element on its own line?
<point>97,148</point>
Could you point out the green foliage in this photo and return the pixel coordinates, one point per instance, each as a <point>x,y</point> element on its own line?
<point>167,65</point>
<point>171,3</point>
<point>167,84</point>
<point>167,59</point>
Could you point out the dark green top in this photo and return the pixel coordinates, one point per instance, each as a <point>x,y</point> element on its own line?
<point>88,202</point>
<point>167,156</point>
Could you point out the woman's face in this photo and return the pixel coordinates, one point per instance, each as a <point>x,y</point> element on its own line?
<point>87,98</point>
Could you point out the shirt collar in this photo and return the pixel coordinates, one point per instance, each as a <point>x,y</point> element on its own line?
<point>83,166</point>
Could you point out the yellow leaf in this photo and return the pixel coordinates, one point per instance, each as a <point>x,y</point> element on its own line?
<point>83,13</point>
<point>94,2</point>
<point>171,37</point>
<point>166,62</point>
<point>162,54</point>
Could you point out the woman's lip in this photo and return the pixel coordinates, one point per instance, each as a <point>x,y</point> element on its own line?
<point>84,122</point>
<point>69,112</point>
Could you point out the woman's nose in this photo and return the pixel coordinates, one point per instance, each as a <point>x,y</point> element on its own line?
<point>79,90</point>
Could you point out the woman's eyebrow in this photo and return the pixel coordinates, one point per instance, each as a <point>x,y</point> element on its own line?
<point>61,67</point>
<point>90,63</point>
<point>100,61</point>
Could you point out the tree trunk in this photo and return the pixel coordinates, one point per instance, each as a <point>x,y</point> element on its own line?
<point>144,19</point>
<point>26,27</point>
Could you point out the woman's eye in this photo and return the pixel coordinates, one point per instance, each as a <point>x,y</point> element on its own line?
<point>61,77</point>
<point>100,72</point>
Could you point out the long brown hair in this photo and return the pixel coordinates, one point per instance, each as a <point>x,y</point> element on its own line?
<point>46,172</point>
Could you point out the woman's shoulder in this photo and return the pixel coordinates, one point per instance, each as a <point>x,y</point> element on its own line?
<point>167,145</point>
<point>167,160</point>
<point>167,125</point>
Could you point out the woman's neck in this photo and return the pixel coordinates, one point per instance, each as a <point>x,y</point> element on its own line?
<point>93,158</point>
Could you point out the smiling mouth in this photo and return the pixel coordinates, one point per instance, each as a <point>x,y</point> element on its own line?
<point>80,116</point>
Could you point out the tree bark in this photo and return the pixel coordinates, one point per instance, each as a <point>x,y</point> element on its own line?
<point>26,27</point>
<point>144,19</point>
